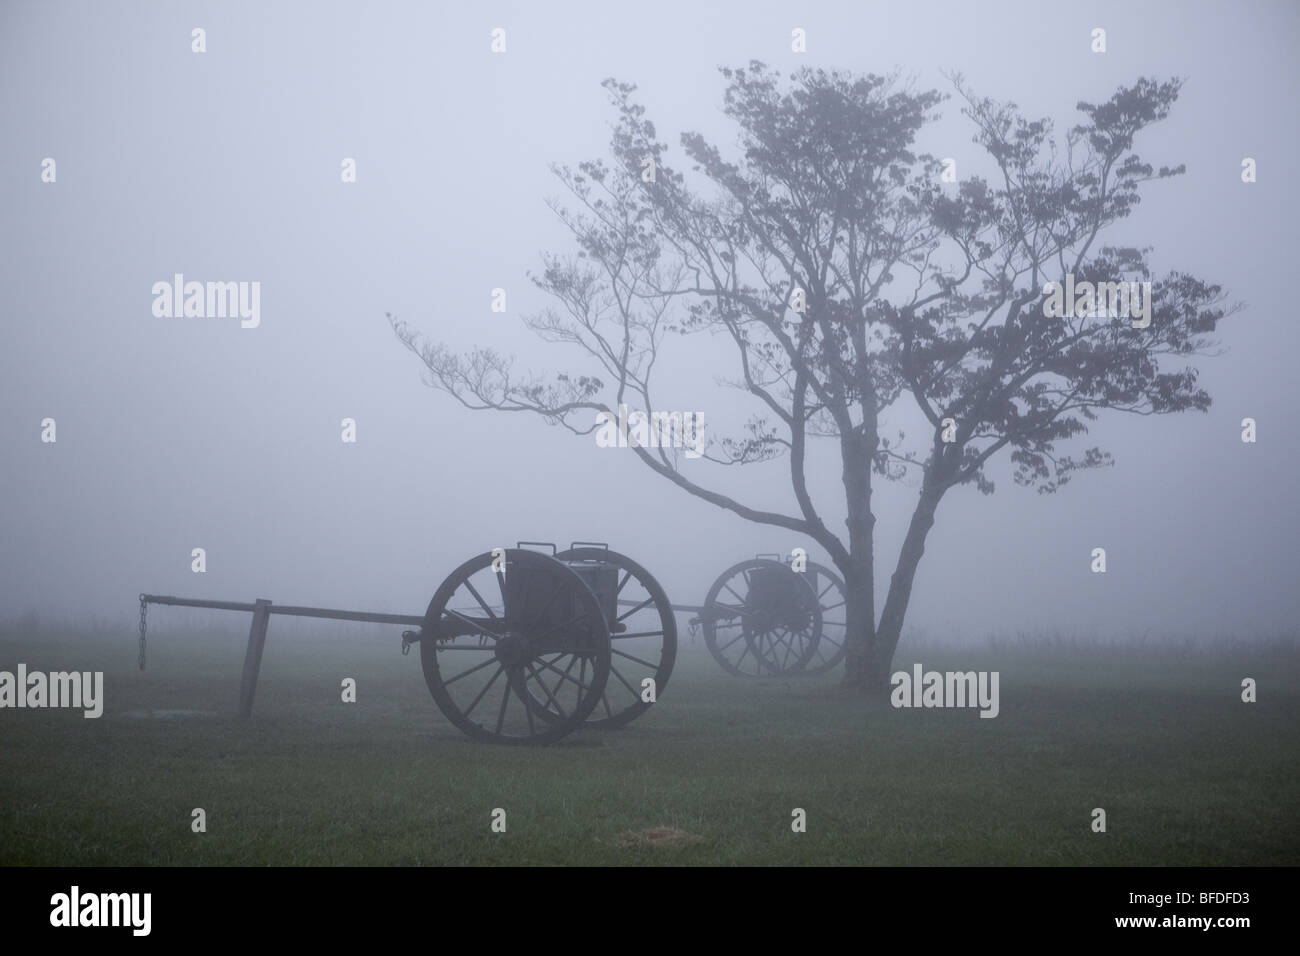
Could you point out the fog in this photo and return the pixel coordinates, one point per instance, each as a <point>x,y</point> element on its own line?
<point>183,433</point>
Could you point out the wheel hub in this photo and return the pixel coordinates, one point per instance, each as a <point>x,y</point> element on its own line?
<point>513,649</point>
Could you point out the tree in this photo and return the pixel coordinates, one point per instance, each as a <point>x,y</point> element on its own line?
<point>853,281</point>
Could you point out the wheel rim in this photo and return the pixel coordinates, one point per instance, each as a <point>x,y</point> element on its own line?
<point>643,637</point>
<point>761,619</point>
<point>834,632</point>
<point>517,656</point>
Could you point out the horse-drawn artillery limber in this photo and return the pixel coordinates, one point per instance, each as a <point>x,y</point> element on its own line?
<point>522,647</point>
<point>761,618</point>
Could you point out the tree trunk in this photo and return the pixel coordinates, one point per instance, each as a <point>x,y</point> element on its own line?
<point>900,590</point>
<point>859,571</point>
<point>860,626</point>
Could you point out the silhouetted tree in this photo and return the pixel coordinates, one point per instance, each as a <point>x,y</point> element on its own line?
<point>852,278</point>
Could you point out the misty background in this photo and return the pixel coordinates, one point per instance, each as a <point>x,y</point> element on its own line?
<point>225,166</point>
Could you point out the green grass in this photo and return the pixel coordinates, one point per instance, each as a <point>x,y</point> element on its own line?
<point>1187,773</point>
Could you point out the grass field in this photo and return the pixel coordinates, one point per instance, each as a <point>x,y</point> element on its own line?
<point>1158,737</point>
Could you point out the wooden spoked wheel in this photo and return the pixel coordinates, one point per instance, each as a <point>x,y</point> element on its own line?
<point>832,644</point>
<point>515,651</point>
<point>761,619</point>
<point>643,633</point>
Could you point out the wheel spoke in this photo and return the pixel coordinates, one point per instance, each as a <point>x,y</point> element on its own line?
<point>476,667</point>
<point>743,653</point>
<point>785,663</point>
<point>582,673</point>
<point>648,601</point>
<point>522,692</point>
<point>778,640</point>
<point>738,637</point>
<point>637,659</point>
<point>478,597</point>
<point>821,648</point>
<point>614,670</point>
<point>568,670</point>
<point>549,696</point>
<point>505,699</point>
<point>486,688</point>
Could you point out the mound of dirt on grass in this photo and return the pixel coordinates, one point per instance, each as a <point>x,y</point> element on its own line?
<point>656,836</point>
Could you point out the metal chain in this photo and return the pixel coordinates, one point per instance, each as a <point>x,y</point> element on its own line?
<point>144,607</point>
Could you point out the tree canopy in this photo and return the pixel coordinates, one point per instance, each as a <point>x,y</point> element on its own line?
<point>854,275</point>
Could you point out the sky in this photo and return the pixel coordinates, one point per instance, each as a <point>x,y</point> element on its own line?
<point>178,433</point>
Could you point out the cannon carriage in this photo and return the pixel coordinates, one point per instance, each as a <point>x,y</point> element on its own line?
<point>581,636</point>
<point>518,646</point>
